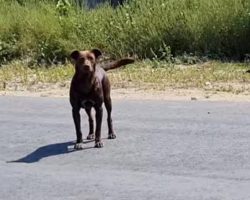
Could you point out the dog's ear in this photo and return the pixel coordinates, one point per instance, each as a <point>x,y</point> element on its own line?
<point>96,52</point>
<point>74,55</point>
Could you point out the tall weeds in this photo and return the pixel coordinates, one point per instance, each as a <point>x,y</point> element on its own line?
<point>146,28</point>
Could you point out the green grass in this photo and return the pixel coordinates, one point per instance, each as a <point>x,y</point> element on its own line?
<point>148,75</point>
<point>154,29</point>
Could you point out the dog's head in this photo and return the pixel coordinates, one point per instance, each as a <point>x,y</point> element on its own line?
<point>85,61</point>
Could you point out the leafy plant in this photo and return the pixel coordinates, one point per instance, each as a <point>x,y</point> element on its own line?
<point>46,31</point>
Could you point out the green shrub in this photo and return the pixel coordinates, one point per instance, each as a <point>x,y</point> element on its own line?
<point>155,29</point>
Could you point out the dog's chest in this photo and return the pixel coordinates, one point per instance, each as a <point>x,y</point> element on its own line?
<point>89,93</point>
<point>87,103</point>
<point>91,99</point>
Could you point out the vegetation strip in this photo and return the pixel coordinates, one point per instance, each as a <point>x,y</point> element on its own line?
<point>45,33</point>
<point>214,76</point>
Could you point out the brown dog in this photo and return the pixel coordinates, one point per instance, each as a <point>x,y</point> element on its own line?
<point>90,87</point>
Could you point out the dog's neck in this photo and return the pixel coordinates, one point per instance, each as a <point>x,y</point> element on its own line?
<point>85,82</point>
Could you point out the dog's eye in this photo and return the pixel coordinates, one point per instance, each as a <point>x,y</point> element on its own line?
<point>90,58</point>
<point>81,60</point>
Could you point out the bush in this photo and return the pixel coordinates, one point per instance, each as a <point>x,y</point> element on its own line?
<point>155,29</point>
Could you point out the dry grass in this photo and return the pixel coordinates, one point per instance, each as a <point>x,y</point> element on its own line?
<point>18,74</point>
<point>229,77</point>
<point>212,76</point>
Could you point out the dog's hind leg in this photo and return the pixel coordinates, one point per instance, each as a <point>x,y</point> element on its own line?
<point>108,105</point>
<point>98,115</point>
<point>91,124</point>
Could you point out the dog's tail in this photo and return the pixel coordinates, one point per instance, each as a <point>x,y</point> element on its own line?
<point>117,63</point>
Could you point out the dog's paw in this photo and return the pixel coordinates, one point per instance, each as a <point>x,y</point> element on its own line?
<point>78,146</point>
<point>112,136</point>
<point>98,145</point>
<point>90,137</point>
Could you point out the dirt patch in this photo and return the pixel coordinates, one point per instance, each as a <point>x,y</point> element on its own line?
<point>169,94</point>
<point>210,81</point>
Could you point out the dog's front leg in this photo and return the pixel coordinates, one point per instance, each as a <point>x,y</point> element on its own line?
<point>99,113</point>
<point>77,122</point>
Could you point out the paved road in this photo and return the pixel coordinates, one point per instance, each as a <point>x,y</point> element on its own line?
<point>164,150</point>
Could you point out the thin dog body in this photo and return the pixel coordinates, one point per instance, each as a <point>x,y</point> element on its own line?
<point>90,88</point>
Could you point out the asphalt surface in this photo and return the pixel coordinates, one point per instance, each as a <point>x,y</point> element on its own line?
<point>164,150</point>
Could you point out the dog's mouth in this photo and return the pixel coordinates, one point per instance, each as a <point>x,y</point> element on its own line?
<point>85,69</point>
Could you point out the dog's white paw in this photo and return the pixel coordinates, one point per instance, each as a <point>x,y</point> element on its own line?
<point>111,136</point>
<point>78,146</point>
<point>90,137</point>
<point>98,145</point>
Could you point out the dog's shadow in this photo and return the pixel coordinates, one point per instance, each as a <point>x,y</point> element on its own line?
<point>49,150</point>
